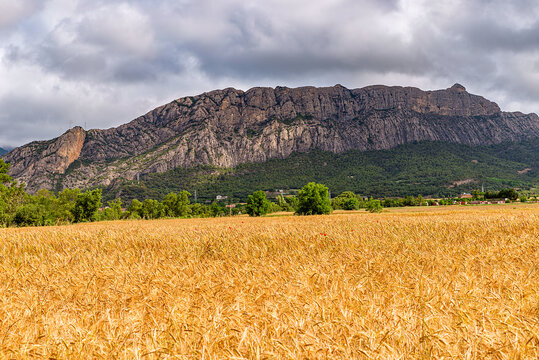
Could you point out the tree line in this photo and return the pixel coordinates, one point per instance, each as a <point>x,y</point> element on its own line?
<point>19,208</point>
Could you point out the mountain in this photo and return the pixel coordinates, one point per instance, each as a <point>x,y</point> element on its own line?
<point>3,151</point>
<point>228,128</point>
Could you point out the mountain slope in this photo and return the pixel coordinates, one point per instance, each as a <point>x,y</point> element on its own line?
<point>428,168</point>
<point>3,151</point>
<point>226,128</point>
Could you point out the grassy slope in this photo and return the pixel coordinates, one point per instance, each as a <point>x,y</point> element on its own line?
<point>426,168</point>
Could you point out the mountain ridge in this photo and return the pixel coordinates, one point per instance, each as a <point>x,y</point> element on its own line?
<point>229,127</point>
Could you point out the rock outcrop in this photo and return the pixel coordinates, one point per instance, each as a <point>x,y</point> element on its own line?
<point>229,127</point>
<point>38,163</point>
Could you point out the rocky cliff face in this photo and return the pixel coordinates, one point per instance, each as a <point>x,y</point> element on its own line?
<point>38,163</point>
<point>229,127</point>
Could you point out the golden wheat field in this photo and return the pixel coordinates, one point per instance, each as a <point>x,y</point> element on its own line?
<point>440,283</point>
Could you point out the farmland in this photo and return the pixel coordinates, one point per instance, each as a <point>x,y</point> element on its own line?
<point>414,283</point>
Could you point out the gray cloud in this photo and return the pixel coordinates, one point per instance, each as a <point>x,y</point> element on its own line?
<point>106,62</point>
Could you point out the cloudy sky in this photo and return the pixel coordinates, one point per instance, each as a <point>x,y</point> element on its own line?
<point>101,63</point>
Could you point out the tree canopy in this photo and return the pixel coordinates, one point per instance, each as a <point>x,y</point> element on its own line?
<point>86,205</point>
<point>313,199</point>
<point>346,201</point>
<point>258,204</point>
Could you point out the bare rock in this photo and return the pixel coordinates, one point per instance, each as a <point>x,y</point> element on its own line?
<point>38,163</point>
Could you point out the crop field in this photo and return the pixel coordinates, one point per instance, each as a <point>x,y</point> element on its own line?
<point>437,283</point>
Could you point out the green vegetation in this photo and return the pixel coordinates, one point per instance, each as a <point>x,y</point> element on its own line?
<point>17,208</point>
<point>510,194</point>
<point>313,199</point>
<point>507,171</point>
<point>428,168</point>
<point>4,177</point>
<point>176,205</point>
<point>86,206</point>
<point>12,196</point>
<point>258,204</point>
<point>374,206</point>
<point>346,201</point>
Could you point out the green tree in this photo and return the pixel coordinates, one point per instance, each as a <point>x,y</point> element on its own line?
<point>116,208</point>
<point>284,204</point>
<point>113,211</point>
<point>4,169</point>
<point>64,205</point>
<point>12,195</point>
<point>177,205</point>
<point>199,210</point>
<point>313,199</point>
<point>257,204</point>
<point>216,210</point>
<point>477,195</point>
<point>346,201</point>
<point>28,215</point>
<point>46,206</point>
<point>510,194</point>
<point>87,205</point>
<point>152,209</point>
<point>274,207</point>
<point>374,206</point>
<point>135,209</point>
<point>292,202</point>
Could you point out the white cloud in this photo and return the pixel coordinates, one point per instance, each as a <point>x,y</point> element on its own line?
<point>104,62</point>
<point>118,28</point>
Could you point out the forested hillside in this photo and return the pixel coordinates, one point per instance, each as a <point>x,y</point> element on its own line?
<point>427,168</point>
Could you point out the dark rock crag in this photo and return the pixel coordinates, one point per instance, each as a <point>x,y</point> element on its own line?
<point>229,127</point>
